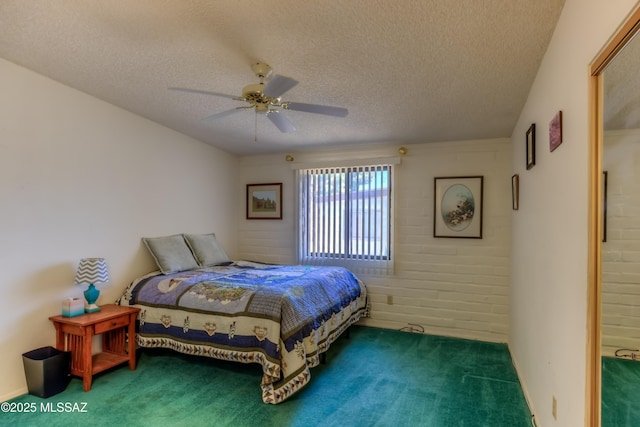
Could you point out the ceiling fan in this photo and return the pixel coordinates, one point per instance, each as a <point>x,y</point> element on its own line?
<point>265,99</point>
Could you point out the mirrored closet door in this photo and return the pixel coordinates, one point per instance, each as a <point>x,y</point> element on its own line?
<point>620,247</point>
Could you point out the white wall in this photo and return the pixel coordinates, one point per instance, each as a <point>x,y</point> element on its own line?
<point>549,243</point>
<point>621,251</point>
<point>455,287</point>
<point>82,178</point>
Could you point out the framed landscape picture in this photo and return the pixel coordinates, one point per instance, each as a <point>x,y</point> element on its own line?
<point>457,207</point>
<point>264,201</point>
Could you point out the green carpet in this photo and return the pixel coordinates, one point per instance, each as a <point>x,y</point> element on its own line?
<point>620,392</point>
<point>376,377</point>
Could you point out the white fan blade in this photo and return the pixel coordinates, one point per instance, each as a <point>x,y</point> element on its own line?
<point>317,109</point>
<point>221,114</point>
<point>279,85</point>
<point>280,121</point>
<point>205,92</point>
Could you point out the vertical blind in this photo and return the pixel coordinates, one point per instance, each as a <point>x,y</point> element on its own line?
<point>345,217</point>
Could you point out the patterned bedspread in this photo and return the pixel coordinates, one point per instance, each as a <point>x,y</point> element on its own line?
<point>281,317</point>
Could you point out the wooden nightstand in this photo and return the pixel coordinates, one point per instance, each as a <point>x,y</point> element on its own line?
<point>75,334</point>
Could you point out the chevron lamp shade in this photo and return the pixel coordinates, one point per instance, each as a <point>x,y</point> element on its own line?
<point>92,271</point>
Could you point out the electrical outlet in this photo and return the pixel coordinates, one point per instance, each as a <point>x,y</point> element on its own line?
<point>390,299</point>
<point>554,408</point>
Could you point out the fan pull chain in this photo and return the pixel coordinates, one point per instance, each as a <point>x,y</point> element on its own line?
<point>255,135</point>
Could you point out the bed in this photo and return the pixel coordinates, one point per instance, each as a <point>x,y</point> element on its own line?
<point>281,317</point>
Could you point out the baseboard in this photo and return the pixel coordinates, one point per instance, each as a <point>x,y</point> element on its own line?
<point>387,324</point>
<point>13,394</point>
<point>523,386</point>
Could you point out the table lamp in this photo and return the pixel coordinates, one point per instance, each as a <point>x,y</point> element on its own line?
<point>92,271</point>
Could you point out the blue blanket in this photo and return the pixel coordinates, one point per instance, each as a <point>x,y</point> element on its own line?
<point>247,312</point>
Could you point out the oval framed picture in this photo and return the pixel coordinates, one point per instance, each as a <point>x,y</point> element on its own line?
<point>457,207</point>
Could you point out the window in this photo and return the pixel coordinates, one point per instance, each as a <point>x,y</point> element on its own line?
<point>345,216</point>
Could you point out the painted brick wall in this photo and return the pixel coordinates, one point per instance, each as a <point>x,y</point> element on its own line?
<point>621,251</point>
<point>454,287</point>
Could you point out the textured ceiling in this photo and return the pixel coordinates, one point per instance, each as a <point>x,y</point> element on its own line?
<point>408,71</point>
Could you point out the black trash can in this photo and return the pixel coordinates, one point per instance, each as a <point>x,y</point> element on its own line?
<point>48,371</point>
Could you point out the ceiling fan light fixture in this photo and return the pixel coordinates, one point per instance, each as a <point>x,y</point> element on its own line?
<point>262,108</point>
<point>253,92</point>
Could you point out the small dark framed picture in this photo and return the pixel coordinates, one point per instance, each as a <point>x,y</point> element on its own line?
<point>555,131</point>
<point>264,201</point>
<point>515,192</point>
<point>457,207</point>
<point>531,146</point>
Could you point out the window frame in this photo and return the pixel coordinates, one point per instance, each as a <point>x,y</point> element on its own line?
<point>381,262</point>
